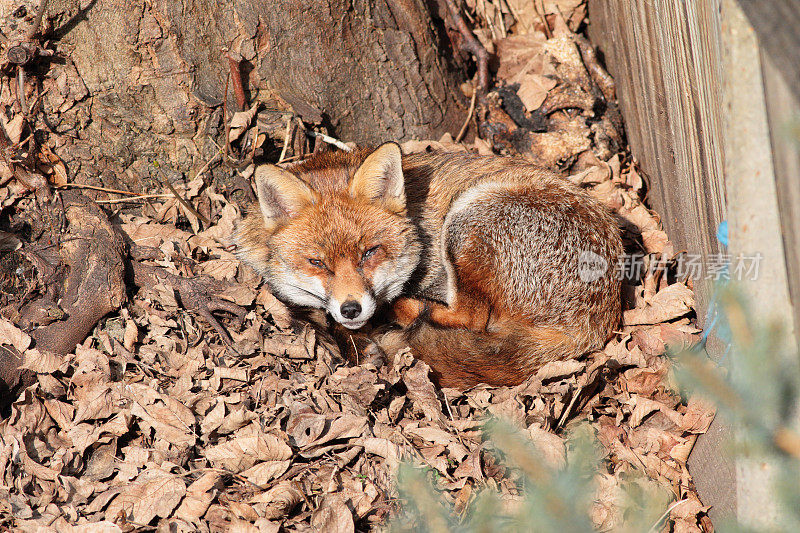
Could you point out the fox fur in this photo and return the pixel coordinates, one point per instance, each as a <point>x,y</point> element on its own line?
<point>491,265</point>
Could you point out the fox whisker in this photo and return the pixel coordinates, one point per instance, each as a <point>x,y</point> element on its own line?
<point>306,291</point>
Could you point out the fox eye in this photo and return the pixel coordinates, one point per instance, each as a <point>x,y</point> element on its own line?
<point>317,263</point>
<point>369,253</point>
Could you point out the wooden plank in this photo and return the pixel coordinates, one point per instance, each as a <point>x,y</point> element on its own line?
<point>754,226</point>
<point>664,56</point>
<point>711,114</point>
<point>783,111</point>
<point>776,23</point>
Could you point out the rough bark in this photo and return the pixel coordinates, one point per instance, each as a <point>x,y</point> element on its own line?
<point>156,72</point>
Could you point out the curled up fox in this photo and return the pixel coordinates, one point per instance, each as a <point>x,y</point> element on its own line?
<point>491,265</point>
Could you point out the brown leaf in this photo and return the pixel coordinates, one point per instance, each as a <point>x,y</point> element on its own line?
<point>264,472</point>
<point>421,392</point>
<point>698,416</point>
<point>242,452</point>
<point>279,500</point>
<point>669,303</point>
<point>550,445</point>
<point>384,448</point>
<point>12,335</point>
<point>559,369</point>
<point>199,496</point>
<point>171,420</point>
<point>241,121</point>
<point>154,493</point>
<point>333,515</point>
<point>533,90</point>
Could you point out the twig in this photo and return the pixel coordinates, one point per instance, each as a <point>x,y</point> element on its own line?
<point>95,188</point>
<point>330,140</point>
<point>133,198</point>
<point>204,168</point>
<point>35,105</point>
<point>472,45</point>
<point>286,138</point>
<point>513,10</point>
<point>291,159</point>
<point>39,15</point>
<point>598,74</point>
<point>186,204</point>
<point>238,86</point>
<point>463,129</point>
<point>447,404</point>
<point>355,349</point>
<point>666,514</point>
<point>498,6</point>
<point>543,16</point>
<point>21,90</point>
<point>225,118</point>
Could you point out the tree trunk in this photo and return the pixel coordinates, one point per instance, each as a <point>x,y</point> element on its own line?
<point>157,72</point>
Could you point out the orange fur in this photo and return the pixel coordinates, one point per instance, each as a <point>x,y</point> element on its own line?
<point>480,256</point>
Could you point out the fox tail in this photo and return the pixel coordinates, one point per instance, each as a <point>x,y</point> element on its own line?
<point>461,358</point>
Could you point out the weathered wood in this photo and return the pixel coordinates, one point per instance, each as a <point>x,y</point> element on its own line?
<point>776,23</point>
<point>754,226</point>
<point>783,110</point>
<point>709,110</point>
<point>664,58</point>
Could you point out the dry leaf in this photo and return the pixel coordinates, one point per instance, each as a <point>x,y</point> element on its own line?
<point>241,121</point>
<point>155,493</point>
<point>669,303</point>
<point>333,515</point>
<point>242,452</point>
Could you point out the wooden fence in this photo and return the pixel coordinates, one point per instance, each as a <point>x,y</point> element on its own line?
<point>710,91</point>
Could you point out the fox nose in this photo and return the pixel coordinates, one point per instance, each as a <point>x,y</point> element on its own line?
<point>350,309</point>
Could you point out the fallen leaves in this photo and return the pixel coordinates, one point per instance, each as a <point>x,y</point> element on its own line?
<point>153,422</point>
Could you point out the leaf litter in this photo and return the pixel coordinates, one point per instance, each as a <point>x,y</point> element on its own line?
<point>156,420</point>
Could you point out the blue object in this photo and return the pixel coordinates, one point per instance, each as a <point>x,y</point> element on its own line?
<point>722,232</point>
<point>712,316</point>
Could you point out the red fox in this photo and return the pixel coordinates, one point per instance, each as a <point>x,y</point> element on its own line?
<point>492,265</point>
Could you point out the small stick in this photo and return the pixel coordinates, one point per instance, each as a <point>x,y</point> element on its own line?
<point>513,10</point>
<point>598,74</point>
<point>133,198</point>
<point>463,129</point>
<point>95,188</point>
<point>35,105</point>
<point>472,45</point>
<point>666,514</point>
<point>225,118</point>
<point>355,349</point>
<point>291,158</point>
<point>330,140</point>
<point>21,90</point>
<point>286,139</point>
<point>447,404</point>
<point>238,86</point>
<point>39,14</point>
<point>499,8</point>
<point>186,204</point>
<point>543,17</point>
<point>208,163</point>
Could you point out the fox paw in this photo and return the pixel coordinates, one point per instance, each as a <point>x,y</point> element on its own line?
<point>407,310</point>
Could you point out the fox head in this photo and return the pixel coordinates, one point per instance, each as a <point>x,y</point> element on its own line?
<point>333,238</point>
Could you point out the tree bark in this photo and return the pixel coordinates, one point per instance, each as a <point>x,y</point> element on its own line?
<point>370,70</point>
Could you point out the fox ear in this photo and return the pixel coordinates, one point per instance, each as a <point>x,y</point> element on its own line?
<point>380,178</point>
<point>281,194</point>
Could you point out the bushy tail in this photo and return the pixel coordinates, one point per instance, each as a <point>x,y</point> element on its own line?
<point>460,358</point>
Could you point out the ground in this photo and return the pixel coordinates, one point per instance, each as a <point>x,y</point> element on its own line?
<point>163,385</point>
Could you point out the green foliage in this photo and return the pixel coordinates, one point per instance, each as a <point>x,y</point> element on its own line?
<point>759,396</point>
<point>551,499</point>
